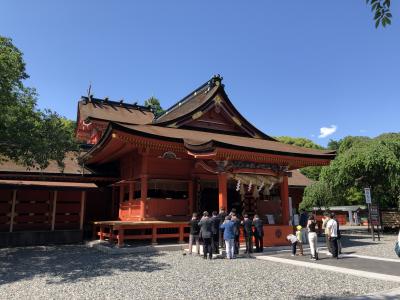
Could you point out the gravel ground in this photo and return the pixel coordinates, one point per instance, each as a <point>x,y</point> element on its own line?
<point>77,272</point>
<point>361,243</point>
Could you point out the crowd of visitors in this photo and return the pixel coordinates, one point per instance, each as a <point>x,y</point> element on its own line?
<point>309,233</point>
<point>222,230</point>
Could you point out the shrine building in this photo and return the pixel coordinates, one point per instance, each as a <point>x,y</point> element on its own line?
<point>142,176</point>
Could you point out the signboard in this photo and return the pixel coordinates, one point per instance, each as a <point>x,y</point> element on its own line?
<point>374,211</point>
<point>367,192</point>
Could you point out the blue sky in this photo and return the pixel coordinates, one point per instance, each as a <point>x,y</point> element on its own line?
<point>290,67</point>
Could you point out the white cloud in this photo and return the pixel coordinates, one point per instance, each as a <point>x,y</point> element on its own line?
<point>327,131</point>
<point>363,130</point>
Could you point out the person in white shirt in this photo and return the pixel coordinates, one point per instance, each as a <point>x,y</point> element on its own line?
<point>293,241</point>
<point>333,235</point>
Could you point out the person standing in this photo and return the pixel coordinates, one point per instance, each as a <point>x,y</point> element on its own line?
<point>339,237</point>
<point>332,235</point>
<point>222,215</point>
<point>248,234</point>
<point>194,234</point>
<point>215,221</point>
<point>312,237</point>
<point>303,223</point>
<point>258,233</point>
<point>299,235</point>
<point>326,231</point>
<point>236,220</point>
<point>206,234</point>
<point>228,228</point>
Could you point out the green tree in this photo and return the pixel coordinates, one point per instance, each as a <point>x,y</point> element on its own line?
<point>381,10</point>
<point>29,136</point>
<point>319,194</point>
<point>310,172</point>
<point>155,105</point>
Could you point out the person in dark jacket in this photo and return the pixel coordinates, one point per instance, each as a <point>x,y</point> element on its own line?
<point>258,233</point>
<point>236,220</point>
<point>222,214</point>
<point>215,221</point>
<point>206,235</point>
<point>248,233</point>
<point>194,234</point>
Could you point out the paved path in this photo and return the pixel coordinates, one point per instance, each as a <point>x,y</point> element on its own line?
<point>377,268</point>
<point>362,263</point>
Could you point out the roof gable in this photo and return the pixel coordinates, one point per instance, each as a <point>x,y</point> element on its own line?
<point>103,109</point>
<point>209,108</point>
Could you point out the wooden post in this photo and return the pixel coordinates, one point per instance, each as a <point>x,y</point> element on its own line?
<point>154,234</point>
<point>53,215</point>
<point>120,237</point>
<point>191,197</point>
<point>111,238</point>
<point>181,229</point>
<point>143,183</point>
<point>14,200</point>
<point>143,196</point>
<point>82,214</point>
<point>223,191</point>
<point>101,236</point>
<point>285,200</point>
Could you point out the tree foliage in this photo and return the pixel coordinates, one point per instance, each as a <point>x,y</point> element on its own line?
<point>363,162</point>
<point>29,136</point>
<point>155,105</point>
<point>381,10</point>
<point>311,172</point>
<point>319,194</point>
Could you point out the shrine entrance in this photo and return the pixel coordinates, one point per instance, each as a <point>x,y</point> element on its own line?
<point>207,196</point>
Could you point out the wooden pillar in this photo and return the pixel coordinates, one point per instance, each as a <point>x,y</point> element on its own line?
<point>101,235</point>
<point>53,215</point>
<point>181,232</point>
<point>144,183</point>
<point>143,196</point>
<point>14,200</point>
<point>82,213</point>
<point>191,197</point>
<point>154,235</point>
<point>223,191</point>
<point>111,237</point>
<point>121,199</point>
<point>285,200</point>
<point>121,237</point>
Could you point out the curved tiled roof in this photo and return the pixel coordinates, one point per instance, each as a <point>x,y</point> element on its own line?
<point>201,138</point>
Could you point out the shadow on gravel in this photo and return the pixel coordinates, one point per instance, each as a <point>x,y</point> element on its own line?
<point>61,264</point>
<point>345,297</point>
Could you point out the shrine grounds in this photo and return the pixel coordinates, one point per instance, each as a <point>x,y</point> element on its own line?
<point>78,272</point>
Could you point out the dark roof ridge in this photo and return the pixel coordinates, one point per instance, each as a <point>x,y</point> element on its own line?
<point>208,84</point>
<point>105,101</point>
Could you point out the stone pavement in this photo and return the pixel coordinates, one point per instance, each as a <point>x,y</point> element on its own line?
<point>377,268</point>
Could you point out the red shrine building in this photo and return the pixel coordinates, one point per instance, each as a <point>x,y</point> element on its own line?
<point>142,176</point>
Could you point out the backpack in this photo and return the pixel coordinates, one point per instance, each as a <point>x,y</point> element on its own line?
<point>397,249</point>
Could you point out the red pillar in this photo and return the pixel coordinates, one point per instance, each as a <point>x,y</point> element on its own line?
<point>143,197</point>
<point>285,200</point>
<point>223,191</point>
<point>191,197</point>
